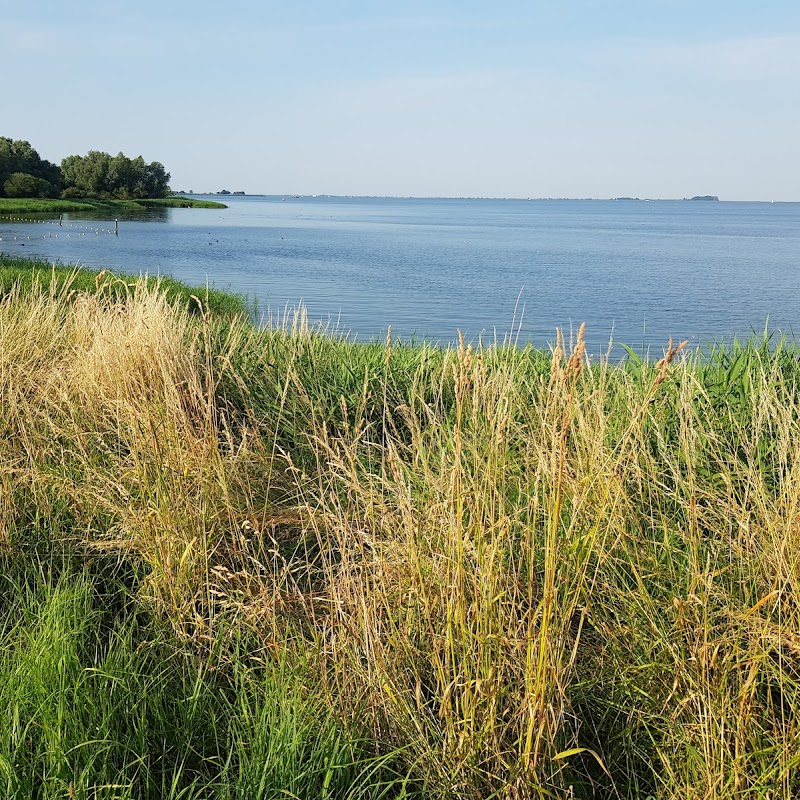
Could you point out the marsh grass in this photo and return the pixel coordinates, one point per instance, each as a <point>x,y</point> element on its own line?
<point>32,275</point>
<point>37,205</point>
<point>471,572</point>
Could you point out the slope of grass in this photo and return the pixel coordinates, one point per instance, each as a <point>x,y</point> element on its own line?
<point>461,573</point>
<point>35,205</point>
<point>29,275</point>
<point>179,202</point>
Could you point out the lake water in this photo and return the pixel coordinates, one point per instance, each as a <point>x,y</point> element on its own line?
<point>641,272</point>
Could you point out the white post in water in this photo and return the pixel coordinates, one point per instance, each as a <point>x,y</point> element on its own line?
<point>60,220</point>
<point>116,227</point>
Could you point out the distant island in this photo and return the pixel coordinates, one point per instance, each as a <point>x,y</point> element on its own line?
<point>696,197</point>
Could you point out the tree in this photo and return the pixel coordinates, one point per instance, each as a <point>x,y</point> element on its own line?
<point>21,184</point>
<point>71,172</point>
<point>100,175</point>
<point>121,177</point>
<point>97,174</point>
<point>94,172</point>
<point>156,180</point>
<point>18,157</point>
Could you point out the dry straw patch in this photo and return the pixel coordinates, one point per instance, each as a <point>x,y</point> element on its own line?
<point>110,410</point>
<point>459,586</point>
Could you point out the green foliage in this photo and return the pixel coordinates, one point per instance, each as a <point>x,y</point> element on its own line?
<point>21,184</point>
<point>99,174</point>
<point>24,174</point>
<point>97,701</point>
<point>19,157</point>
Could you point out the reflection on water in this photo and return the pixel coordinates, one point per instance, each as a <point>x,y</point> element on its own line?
<point>127,215</point>
<point>106,215</point>
<point>642,272</point>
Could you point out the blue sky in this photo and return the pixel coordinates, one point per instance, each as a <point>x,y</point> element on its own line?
<point>545,98</point>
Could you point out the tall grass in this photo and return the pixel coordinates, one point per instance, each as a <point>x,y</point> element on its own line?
<point>492,572</point>
<point>34,275</point>
<point>92,708</point>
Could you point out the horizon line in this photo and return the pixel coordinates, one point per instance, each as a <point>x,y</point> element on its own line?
<point>295,196</point>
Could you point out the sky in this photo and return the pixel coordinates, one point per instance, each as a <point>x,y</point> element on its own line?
<point>541,98</point>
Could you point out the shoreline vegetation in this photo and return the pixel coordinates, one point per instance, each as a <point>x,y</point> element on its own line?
<point>44,205</point>
<point>23,276</point>
<point>244,563</point>
<point>97,181</point>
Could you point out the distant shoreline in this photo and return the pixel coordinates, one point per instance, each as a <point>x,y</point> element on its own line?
<point>33,205</point>
<point>290,197</point>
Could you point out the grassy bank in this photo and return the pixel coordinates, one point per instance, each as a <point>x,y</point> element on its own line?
<point>28,276</point>
<point>383,571</point>
<point>180,202</point>
<point>36,205</point>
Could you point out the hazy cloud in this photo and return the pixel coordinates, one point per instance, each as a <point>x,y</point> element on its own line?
<point>756,58</point>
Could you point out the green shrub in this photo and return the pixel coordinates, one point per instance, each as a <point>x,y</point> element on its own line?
<point>20,184</point>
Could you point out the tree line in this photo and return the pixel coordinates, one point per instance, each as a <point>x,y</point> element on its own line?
<point>23,173</point>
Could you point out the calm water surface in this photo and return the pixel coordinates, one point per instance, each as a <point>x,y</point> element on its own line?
<point>640,271</point>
